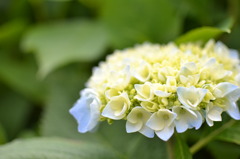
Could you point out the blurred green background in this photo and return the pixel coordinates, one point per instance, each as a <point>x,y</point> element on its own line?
<point>48,49</point>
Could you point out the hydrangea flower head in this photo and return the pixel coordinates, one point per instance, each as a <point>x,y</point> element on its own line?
<point>160,88</point>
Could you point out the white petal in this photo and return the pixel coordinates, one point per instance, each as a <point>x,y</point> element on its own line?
<point>209,122</point>
<point>144,91</point>
<point>111,93</point>
<point>148,132</point>
<point>186,118</point>
<point>210,62</point>
<point>162,93</point>
<point>150,106</point>
<point>155,122</point>
<point>181,126</point>
<point>166,133</point>
<point>141,98</point>
<point>133,127</point>
<point>215,113</point>
<point>233,110</point>
<point>114,110</point>
<point>86,110</point>
<point>198,122</point>
<point>117,107</point>
<point>188,69</point>
<point>234,95</point>
<point>223,89</point>
<point>142,73</point>
<point>233,54</point>
<point>237,78</point>
<point>191,97</point>
<point>81,112</point>
<point>161,119</point>
<point>220,48</point>
<point>95,115</point>
<point>136,121</point>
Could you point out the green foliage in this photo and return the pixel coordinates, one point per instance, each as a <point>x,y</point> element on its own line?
<point>135,21</point>
<point>201,34</point>
<point>222,150</point>
<point>26,82</point>
<point>11,31</point>
<point>19,108</point>
<point>181,148</point>
<point>55,148</point>
<point>61,99</point>
<point>3,138</point>
<point>231,134</point>
<point>79,40</point>
<point>67,39</point>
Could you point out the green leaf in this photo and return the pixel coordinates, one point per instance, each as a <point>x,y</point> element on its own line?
<point>203,12</point>
<point>145,148</point>
<point>64,87</point>
<point>11,31</point>
<point>223,150</point>
<point>20,75</point>
<point>58,44</point>
<point>55,148</point>
<point>131,22</point>
<point>14,112</point>
<point>3,137</point>
<point>232,134</point>
<point>201,34</point>
<point>211,135</point>
<point>181,149</point>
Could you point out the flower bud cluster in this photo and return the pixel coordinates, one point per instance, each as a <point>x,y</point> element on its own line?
<point>159,88</point>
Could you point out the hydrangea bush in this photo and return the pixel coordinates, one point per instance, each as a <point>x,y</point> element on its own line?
<point>160,88</point>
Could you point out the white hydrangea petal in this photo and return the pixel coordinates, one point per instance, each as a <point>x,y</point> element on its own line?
<point>210,63</point>
<point>171,81</point>
<point>188,69</point>
<point>237,78</point>
<point>233,110</point>
<point>119,79</point>
<point>136,121</point>
<point>199,120</point>
<point>111,93</point>
<point>181,125</point>
<point>161,119</point>
<point>186,118</point>
<point>133,127</point>
<point>223,89</point>
<point>162,93</point>
<point>166,133</point>
<point>149,106</point>
<point>86,110</point>
<point>81,114</point>
<point>146,131</point>
<point>144,91</point>
<point>155,122</point>
<point>220,48</point>
<point>116,108</point>
<point>214,113</point>
<point>95,115</point>
<point>234,95</point>
<point>190,79</point>
<point>233,54</point>
<point>142,73</point>
<point>209,122</point>
<point>191,97</point>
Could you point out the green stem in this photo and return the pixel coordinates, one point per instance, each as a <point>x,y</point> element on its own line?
<point>170,148</point>
<point>202,142</point>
